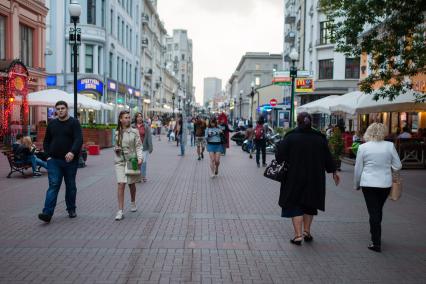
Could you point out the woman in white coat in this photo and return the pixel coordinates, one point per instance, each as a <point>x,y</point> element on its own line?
<point>373,174</point>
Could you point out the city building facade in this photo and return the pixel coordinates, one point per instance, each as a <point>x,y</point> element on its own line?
<point>108,58</point>
<point>255,69</point>
<point>23,37</point>
<point>179,61</point>
<point>308,30</point>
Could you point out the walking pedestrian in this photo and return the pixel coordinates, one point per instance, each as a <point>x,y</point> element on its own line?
<point>260,140</point>
<point>146,138</point>
<point>214,138</point>
<point>62,145</point>
<point>375,161</point>
<point>172,125</point>
<point>128,147</point>
<point>159,125</point>
<point>180,134</point>
<point>302,191</point>
<point>223,124</point>
<point>192,131</point>
<point>200,140</point>
<point>178,130</point>
<point>249,135</point>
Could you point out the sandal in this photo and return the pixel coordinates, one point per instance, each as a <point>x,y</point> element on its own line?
<point>294,241</point>
<point>307,237</point>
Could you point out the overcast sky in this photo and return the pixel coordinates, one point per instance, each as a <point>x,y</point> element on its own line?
<point>224,30</point>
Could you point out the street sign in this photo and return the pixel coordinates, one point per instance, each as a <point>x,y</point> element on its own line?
<point>273,102</point>
<point>304,85</point>
<point>303,73</point>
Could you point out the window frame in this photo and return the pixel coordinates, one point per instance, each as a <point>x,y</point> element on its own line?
<point>326,33</point>
<point>3,37</point>
<point>325,71</point>
<point>28,58</point>
<point>86,56</point>
<point>91,12</point>
<point>352,71</point>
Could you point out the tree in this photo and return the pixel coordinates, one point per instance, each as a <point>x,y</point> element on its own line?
<point>392,32</point>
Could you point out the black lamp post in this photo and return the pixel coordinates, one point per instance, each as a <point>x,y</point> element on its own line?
<point>179,100</point>
<point>252,95</point>
<point>241,101</point>
<point>75,38</point>
<point>173,102</point>
<point>294,55</point>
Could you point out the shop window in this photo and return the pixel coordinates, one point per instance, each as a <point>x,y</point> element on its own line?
<point>26,45</point>
<point>325,69</point>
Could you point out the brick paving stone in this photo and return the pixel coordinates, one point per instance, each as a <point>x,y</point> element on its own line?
<point>192,229</point>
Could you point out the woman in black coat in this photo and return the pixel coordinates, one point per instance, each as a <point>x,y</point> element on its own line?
<point>302,192</point>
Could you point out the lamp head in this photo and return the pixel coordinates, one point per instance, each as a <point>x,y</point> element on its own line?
<point>74,9</point>
<point>252,84</point>
<point>294,55</point>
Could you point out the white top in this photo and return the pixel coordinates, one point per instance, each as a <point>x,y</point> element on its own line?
<point>404,135</point>
<point>374,161</point>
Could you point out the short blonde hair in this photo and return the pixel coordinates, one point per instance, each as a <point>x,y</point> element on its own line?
<point>375,132</point>
<point>27,141</point>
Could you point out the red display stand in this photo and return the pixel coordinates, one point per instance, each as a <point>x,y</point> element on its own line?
<point>93,149</point>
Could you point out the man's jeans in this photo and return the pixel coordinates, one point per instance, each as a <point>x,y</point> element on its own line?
<point>57,170</point>
<point>260,147</point>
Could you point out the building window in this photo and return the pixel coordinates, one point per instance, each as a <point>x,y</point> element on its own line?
<point>275,67</point>
<point>136,77</point>
<point>127,37</point>
<point>122,70</point>
<point>89,58</point>
<point>325,69</point>
<point>257,66</point>
<point>111,59</point>
<point>26,46</point>
<point>2,38</point>
<point>99,60</point>
<point>103,13</point>
<point>118,28</point>
<point>176,46</point>
<point>118,68</point>
<point>91,12</point>
<point>122,32</point>
<point>257,81</point>
<point>352,68</point>
<point>72,61</point>
<point>183,56</point>
<point>112,22</point>
<point>326,32</point>
<point>130,40</point>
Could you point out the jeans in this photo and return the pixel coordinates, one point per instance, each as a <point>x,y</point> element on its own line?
<point>192,139</point>
<point>35,162</point>
<point>143,167</point>
<point>260,146</point>
<point>375,199</point>
<point>182,146</point>
<point>58,170</point>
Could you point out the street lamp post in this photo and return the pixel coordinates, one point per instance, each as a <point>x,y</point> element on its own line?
<point>74,10</point>
<point>251,95</point>
<point>173,102</point>
<point>179,100</point>
<point>294,56</point>
<point>241,101</point>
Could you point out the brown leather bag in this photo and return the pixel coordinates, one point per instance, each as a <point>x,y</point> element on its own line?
<point>396,190</point>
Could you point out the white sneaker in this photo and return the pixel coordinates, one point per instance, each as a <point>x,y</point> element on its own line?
<point>119,215</point>
<point>133,207</point>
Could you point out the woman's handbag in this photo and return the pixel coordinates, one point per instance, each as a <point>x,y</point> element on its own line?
<point>396,189</point>
<point>276,171</point>
<point>131,167</point>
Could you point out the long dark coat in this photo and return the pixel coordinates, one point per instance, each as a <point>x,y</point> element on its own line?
<point>309,158</point>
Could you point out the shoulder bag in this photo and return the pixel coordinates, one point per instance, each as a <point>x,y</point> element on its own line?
<point>396,190</point>
<point>276,171</point>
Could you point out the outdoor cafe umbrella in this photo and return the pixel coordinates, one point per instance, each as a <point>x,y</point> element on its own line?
<point>346,103</point>
<point>318,106</point>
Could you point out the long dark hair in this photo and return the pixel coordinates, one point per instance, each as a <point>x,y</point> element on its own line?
<point>135,119</point>
<point>120,128</point>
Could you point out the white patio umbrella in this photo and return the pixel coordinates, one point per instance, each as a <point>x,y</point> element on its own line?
<point>346,103</point>
<point>91,103</point>
<point>403,102</point>
<point>318,106</point>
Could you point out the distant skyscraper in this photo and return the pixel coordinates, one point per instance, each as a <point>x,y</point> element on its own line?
<point>212,88</point>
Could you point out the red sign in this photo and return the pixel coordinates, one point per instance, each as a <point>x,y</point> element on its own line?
<point>273,102</point>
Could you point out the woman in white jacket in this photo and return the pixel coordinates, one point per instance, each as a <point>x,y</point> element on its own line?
<point>373,174</point>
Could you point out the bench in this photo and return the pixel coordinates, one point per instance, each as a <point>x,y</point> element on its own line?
<point>15,166</point>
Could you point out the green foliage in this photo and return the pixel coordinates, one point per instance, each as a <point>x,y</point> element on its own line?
<point>99,126</point>
<point>335,143</point>
<point>391,31</point>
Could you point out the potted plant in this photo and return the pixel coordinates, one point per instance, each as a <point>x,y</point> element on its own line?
<point>335,143</point>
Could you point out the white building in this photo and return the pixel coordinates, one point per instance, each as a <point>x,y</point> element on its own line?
<point>212,89</point>
<point>107,69</point>
<point>179,61</point>
<point>307,29</point>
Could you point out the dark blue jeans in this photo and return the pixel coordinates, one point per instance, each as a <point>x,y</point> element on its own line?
<point>58,170</point>
<point>35,162</point>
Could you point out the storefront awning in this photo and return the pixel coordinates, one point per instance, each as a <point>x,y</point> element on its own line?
<point>405,102</point>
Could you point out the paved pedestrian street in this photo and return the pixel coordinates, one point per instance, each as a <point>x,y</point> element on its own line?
<point>192,229</point>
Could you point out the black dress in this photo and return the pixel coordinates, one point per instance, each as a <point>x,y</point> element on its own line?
<point>308,155</point>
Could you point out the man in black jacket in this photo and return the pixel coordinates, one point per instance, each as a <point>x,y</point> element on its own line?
<point>62,144</point>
